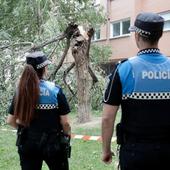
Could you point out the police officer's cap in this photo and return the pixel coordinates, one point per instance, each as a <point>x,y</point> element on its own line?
<point>37,59</point>
<point>147,24</point>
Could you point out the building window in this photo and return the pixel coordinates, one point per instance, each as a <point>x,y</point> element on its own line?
<point>119,28</point>
<point>96,35</point>
<point>116,29</point>
<point>166,17</point>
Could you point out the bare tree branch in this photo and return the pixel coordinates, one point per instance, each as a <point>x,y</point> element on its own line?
<point>64,77</point>
<point>51,54</point>
<point>52,76</point>
<point>72,27</point>
<point>90,34</point>
<point>16,44</point>
<point>58,38</point>
<point>14,64</point>
<point>92,74</point>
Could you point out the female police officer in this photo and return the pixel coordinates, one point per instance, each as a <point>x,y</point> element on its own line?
<point>39,111</point>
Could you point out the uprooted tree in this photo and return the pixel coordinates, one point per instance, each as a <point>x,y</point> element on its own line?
<point>80,47</point>
<point>80,51</point>
<point>34,27</point>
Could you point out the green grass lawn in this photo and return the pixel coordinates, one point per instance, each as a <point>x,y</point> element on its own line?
<point>86,155</point>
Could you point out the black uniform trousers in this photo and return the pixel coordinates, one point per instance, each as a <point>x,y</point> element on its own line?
<point>32,153</point>
<point>145,156</point>
<point>34,161</point>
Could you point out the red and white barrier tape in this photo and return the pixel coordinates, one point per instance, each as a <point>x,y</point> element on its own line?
<point>74,136</point>
<point>86,137</point>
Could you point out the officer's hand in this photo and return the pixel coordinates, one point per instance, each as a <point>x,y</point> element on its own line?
<point>107,157</point>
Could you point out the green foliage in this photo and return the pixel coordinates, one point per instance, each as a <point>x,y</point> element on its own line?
<point>11,66</point>
<point>80,12</point>
<point>36,21</point>
<point>22,20</point>
<point>100,53</point>
<point>98,89</point>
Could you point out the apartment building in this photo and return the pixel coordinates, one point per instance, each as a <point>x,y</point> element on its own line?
<point>120,15</point>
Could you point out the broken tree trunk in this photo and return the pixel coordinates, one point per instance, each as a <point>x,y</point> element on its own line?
<point>80,52</point>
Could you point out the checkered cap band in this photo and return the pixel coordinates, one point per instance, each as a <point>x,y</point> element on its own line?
<point>142,32</point>
<point>47,106</point>
<point>43,64</point>
<point>147,96</point>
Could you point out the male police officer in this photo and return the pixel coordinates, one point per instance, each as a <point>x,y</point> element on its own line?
<point>141,85</point>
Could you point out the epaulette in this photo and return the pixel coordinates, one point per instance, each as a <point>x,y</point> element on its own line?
<point>121,61</point>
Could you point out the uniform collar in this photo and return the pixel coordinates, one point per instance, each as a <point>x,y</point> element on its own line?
<point>152,55</point>
<point>149,51</point>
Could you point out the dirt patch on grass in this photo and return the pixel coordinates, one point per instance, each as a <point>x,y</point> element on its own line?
<point>94,122</point>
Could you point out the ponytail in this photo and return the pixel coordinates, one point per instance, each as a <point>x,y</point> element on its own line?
<point>27,96</point>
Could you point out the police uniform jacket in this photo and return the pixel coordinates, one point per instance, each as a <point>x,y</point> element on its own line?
<point>141,85</point>
<point>52,103</point>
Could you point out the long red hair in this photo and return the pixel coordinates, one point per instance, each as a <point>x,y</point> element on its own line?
<point>27,95</point>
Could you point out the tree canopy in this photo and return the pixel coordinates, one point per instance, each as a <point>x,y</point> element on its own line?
<point>25,24</point>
